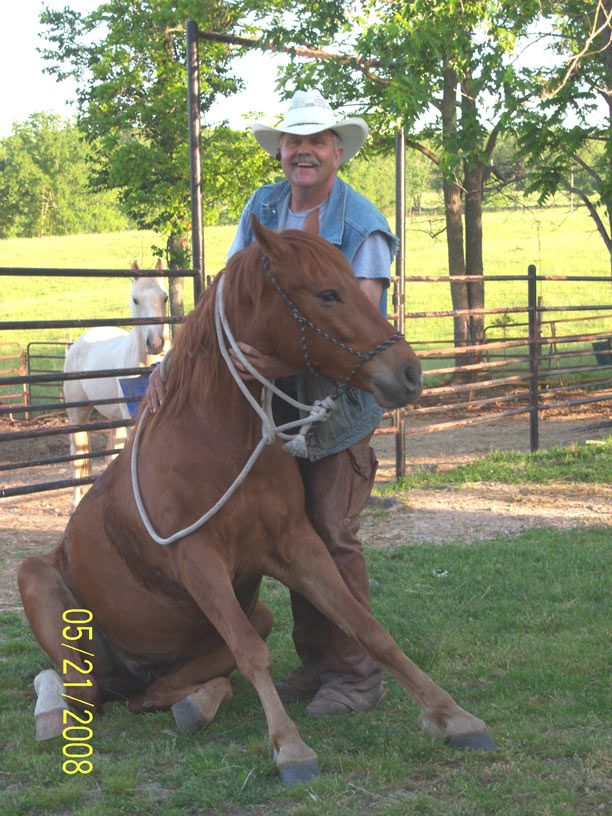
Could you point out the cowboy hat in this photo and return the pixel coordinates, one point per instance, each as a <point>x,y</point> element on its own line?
<point>307,113</point>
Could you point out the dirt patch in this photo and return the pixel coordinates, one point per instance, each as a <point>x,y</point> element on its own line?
<point>477,512</point>
<point>33,524</point>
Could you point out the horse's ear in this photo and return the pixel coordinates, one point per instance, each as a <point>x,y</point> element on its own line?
<point>159,265</point>
<point>135,265</point>
<point>268,240</point>
<point>311,223</point>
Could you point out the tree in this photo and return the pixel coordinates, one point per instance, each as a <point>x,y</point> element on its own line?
<point>442,70</point>
<point>566,137</point>
<point>372,173</point>
<point>45,171</point>
<point>128,57</point>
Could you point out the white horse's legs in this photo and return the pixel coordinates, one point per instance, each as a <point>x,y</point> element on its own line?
<point>117,438</point>
<point>81,468</point>
<point>49,711</point>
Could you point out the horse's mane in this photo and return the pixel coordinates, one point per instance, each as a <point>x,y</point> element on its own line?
<point>196,359</point>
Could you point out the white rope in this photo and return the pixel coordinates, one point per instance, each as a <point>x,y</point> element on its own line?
<point>295,445</point>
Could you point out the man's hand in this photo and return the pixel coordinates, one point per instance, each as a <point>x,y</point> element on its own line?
<point>156,390</point>
<point>268,366</point>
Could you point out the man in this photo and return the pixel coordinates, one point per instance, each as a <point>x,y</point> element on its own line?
<point>311,143</point>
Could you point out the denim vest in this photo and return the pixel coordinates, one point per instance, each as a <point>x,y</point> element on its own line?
<point>348,220</point>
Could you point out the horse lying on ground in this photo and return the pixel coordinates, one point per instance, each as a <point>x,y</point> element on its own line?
<point>108,347</point>
<point>171,620</point>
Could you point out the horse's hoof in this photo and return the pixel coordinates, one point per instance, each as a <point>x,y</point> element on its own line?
<point>188,716</point>
<point>292,773</point>
<point>49,724</point>
<point>476,741</point>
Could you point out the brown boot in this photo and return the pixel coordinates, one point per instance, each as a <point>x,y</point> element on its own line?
<point>300,684</point>
<point>333,700</point>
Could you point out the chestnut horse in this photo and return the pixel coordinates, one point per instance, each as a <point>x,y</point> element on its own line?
<point>170,623</point>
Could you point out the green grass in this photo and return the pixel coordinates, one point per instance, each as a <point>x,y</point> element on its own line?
<point>588,463</point>
<point>516,632</point>
<point>66,298</point>
<point>554,239</point>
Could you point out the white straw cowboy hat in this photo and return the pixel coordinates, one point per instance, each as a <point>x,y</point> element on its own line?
<point>307,113</point>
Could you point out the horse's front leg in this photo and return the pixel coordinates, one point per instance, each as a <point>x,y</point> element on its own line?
<point>314,575</point>
<point>208,581</point>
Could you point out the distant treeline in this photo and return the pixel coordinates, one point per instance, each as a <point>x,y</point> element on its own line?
<point>52,182</point>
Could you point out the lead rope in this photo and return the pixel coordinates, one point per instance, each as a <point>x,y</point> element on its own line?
<point>269,431</point>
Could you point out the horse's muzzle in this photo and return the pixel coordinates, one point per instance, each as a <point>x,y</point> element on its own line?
<point>155,344</point>
<point>394,389</point>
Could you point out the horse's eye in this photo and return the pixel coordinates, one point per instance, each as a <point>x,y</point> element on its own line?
<point>329,296</point>
<point>135,300</point>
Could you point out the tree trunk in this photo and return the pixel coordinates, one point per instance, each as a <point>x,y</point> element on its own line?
<point>604,44</point>
<point>473,179</point>
<point>474,187</point>
<point>454,219</point>
<point>177,250</point>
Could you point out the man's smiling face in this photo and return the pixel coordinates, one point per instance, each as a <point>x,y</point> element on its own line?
<point>310,161</point>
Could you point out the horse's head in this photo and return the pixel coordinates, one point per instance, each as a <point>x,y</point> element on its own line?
<point>315,315</point>
<point>149,299</point>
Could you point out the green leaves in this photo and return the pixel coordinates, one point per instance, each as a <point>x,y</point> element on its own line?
<point>129,58</point>
<point>45,169</point>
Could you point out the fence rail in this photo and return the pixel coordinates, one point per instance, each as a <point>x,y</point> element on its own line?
<point>505,375</point>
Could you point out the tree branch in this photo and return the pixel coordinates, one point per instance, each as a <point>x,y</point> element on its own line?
<point>601,228</point>
<point>360,64</point>
<point>595,31</point>
<point>424,150</point>
<point>587,169</point>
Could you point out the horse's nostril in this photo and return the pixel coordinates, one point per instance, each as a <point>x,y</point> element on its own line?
<point>414,377</point>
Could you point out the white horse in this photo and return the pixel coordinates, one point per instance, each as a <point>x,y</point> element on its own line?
<point>107,347</point>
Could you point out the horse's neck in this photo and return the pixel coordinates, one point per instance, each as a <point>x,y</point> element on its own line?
<point>135,348</point>
<point>226,405</point>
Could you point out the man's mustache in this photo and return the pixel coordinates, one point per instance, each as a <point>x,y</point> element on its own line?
<point>305,158</point>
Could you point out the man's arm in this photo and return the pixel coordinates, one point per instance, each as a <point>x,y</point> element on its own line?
<point>372,288</point>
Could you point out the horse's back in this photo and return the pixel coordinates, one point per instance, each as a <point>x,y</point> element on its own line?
<point>87,350</point>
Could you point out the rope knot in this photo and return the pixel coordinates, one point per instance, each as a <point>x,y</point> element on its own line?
<point>319,412</point>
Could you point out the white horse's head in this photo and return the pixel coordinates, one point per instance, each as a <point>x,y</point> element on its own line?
<point>149,299</point>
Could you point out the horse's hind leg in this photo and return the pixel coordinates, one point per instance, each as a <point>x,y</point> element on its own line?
<point>79,440</point>
<point>200,686</point>
<point>45,599</point>
<point>313,574</point>
<point>81,467</point>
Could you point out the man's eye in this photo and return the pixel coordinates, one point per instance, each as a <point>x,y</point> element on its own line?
<point>329,296</point>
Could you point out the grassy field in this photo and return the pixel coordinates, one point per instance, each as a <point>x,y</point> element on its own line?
<point>559,242</point>
<point>554,239</point>
<point>516,630</point>
<point>570,463</point>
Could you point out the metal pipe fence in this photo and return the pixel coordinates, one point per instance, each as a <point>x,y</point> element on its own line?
<point>34,412</point>
<point>518,375</point>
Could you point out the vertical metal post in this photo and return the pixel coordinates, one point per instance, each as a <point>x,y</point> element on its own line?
<point>534,356</point>
<point>195,158</point>
<point>399,299</point>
